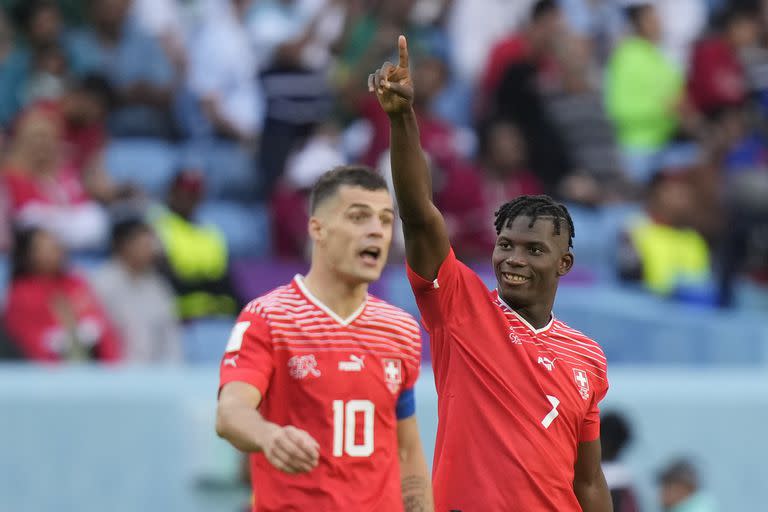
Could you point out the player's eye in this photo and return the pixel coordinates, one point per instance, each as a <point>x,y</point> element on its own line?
<point>357,216</point>
<point>505,245</point>
<point>387,221</point>
<point>536,251</point>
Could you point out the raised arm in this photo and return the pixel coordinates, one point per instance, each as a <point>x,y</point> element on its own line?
<point>426,238</point>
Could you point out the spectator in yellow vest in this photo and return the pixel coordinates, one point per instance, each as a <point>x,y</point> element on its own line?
<point>660,249</point>
<point>196,255</point>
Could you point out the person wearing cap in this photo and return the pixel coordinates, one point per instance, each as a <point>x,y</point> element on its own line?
<point>680,489</point>
<point>196,256</point>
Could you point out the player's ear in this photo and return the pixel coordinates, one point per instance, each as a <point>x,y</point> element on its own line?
<point>315,229</point>
<point>565,264</point>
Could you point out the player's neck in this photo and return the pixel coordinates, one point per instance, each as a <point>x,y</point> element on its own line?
<point>340,296</point>
<point>537,315</point>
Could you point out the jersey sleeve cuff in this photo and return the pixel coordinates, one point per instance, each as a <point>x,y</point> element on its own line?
<point>254,378</point>
<point>421,284</point>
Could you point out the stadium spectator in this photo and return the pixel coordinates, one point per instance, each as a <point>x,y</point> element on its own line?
<point>716,78</point>
<point>44,189</point>
<point>578,112</point>
<point>51,312</point>
<point>138,299</point>
<point>475,26</point>
<point>289,203</point>
<point>521,70</point>
<point>615,435</point>
<point>41,30</point>
<point>682,22</point>
<point>468,196</point>
<point>196,259</point>
<point>9,349</point>
<point>223,74</point>
<point>293,40</point>
<point>659,249</point>
<point>135,65</point>
<point>643,92</point>
<point>681,491</point>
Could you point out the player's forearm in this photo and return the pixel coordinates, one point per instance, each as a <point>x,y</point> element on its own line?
<point>410,172</point>
<point>243,427</point>
<point>415,483</point>
<point>594,496</point>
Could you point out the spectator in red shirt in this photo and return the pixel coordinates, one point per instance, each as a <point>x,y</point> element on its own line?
<point>716,78</point>
<point>468,196</point>
<point>535,44</point>
<point>52,313</point>
<point>44,189</point>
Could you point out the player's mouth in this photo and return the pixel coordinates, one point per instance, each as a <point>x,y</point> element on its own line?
<point>370,256</point>
<point>514,279</point>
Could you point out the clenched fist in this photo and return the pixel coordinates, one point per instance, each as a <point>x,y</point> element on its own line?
<point>291,450</point>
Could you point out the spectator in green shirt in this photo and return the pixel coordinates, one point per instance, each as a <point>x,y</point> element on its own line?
<point>643,92</point>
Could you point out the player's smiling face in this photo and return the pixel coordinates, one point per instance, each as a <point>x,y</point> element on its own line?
<point>353,230</point>
<point>529,261</point>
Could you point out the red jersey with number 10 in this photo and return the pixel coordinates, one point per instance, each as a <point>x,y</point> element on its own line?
<point>514,402</point>
<point>338,379</point>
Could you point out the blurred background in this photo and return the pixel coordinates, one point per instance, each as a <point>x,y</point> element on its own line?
<point>156,161</point>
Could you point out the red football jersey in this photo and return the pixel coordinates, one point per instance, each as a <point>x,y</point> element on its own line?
<point>338,379</point>
<point>513,401</point>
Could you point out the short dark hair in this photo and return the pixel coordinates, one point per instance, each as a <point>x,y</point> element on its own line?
<point>615,434</point>
<point>23,13</point>
<point>96,85</point>
<point>635,12</point>
<point>543,8</point>
<point>351,175</point>
<point>535,207</point>
<point>125,230</point>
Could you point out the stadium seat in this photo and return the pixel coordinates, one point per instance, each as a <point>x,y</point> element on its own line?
<point>150,163</point>
<point>246,228</point>
<point>230,170</point>
<point>204,340</point>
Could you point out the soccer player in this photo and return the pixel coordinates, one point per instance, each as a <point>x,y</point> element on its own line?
<point>317,377</point>
<point>518,390</point>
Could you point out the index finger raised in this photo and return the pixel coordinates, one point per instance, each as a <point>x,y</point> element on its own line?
<point>402,48</point>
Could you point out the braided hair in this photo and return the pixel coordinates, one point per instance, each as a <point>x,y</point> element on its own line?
<point>535,207</point>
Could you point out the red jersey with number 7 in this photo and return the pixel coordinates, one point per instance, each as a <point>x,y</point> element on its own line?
<point>514,402</point>
<point>345,381</point>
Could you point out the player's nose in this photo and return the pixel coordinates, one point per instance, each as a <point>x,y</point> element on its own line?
<point>516,258</point>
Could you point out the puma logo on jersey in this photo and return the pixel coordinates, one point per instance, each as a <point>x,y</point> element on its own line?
<point>301,367</point>
<point>355,364</point>
<point>546,363</point>
<point>231,361</point>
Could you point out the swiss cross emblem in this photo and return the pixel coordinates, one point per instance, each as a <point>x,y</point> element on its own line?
<point>393,374</point>
<point>580,376</point>
<point>301,367</point>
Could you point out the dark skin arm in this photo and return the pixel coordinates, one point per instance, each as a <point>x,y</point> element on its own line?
<point>426,237</point>
<point>589,481</point>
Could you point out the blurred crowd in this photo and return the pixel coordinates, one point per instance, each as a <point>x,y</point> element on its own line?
<point>125,121</point>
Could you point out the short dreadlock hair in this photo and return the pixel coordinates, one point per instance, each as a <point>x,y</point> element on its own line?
<point>535,207</point>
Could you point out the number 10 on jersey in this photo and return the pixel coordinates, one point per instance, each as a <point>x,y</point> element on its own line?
<point>345,426</point>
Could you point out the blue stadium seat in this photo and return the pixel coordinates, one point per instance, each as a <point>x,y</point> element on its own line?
<point>230,170</point>
<point>150,163</point>
<point>203,341</point>
<point>245,227</point>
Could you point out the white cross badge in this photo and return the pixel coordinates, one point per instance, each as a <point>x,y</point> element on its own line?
<point>393,374</point>
<point>580,376</point>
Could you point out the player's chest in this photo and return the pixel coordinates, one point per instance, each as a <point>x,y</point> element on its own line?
<point>534,365</point>
<point>343,364</point>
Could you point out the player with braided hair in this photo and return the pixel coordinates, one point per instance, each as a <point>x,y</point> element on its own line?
<point>519,385</point>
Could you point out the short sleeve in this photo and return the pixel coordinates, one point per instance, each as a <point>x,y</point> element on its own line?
<point>590,428</point>
<point>448,296</point>
<point>248,356</point>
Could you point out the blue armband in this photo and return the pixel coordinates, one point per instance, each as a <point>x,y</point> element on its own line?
<point>406,404</point>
